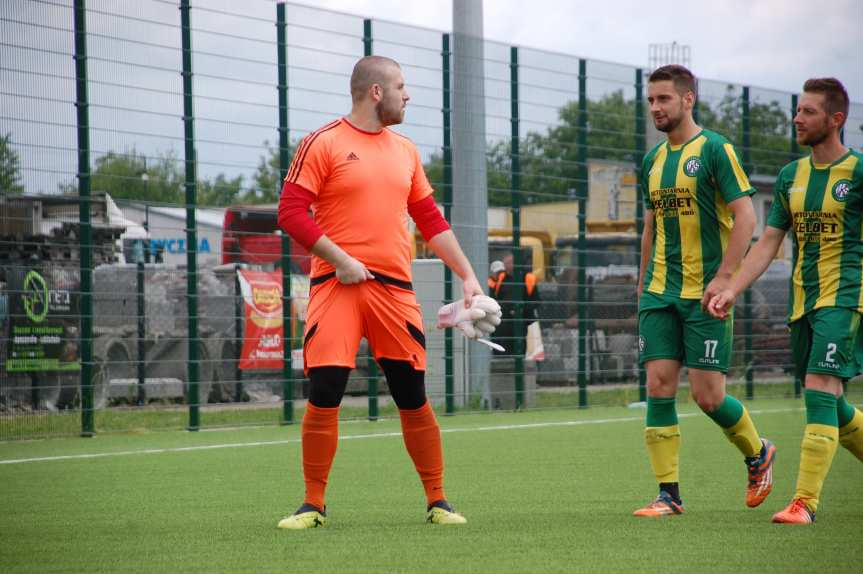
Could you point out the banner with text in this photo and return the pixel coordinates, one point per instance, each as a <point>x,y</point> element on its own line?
<point>44,316</point>
<point>263,346</point>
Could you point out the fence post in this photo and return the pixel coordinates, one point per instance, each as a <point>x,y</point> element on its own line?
<point>640,150</point>
<point>449,367</point>
<point>191,186</point>
<point>86,240</point>
<point>239,317</point>
<point>142,331</point>
<point>795,148</point>
<point>747,295</point>
<point>287,325</point>
<point>582,188</point>
<point>795,153</point>
<point>518,260</point>
<point>372,365</point>
<point>287,335</point>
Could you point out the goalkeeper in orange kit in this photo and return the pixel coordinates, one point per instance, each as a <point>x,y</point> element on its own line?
<point>361,180</point>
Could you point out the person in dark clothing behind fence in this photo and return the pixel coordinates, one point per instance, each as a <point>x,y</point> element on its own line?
<point>505,287</point>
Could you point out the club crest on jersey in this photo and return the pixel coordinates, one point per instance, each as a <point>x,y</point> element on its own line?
<point>841,189</point>
<point>692,165</point>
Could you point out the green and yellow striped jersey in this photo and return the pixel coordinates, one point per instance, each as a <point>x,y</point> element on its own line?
<point>823,206</point>
<point>689,187</point>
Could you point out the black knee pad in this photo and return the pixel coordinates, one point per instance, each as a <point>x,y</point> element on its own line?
<point>407,385</point>
<point>327,386</point>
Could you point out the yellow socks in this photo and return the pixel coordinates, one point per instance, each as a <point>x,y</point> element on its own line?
<point>663,448</point>
<point>662,437</point>
<point>737,425</point>
<point>820,440</point>
<point>850,427</point>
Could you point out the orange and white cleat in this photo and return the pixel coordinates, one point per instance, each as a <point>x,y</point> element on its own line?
<point>664,505</point>
<point>795,513</point>
<point>760,474</point>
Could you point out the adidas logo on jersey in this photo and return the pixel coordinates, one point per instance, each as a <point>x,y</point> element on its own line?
<point>352,157</point>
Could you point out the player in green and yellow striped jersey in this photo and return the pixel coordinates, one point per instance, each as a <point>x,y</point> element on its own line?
<point>820,199</point>
<point>697,225</point>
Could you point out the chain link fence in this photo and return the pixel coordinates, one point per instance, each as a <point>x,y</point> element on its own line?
<point>143,147</point>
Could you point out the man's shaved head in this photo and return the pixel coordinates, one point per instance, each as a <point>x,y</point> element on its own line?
<point>369,71</point>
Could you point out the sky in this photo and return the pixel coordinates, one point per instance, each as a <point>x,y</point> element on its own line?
<point>134,59</point>
<point>768,43</point>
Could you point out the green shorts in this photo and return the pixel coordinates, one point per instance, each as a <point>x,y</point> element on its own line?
<point>674,328</point>
<point>827,341</point>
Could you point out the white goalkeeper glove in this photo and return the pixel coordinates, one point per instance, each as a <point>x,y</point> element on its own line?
<point>477,321</point>
<point>486,325</point>
<point>456,315</point>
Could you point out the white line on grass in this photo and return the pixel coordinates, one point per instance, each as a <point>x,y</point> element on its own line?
<point>355,437</point>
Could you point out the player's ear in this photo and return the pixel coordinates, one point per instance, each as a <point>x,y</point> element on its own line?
<point>376,92</point>
<point>689,99</point>
<point>838,119</point>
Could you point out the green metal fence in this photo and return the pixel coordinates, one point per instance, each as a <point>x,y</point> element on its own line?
<point>132,129</point>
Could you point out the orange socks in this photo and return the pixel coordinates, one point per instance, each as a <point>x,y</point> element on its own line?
<point>320,435</point>
<point>321,438</point>
<point>422,439</point>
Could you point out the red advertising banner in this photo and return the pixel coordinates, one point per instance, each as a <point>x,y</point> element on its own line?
<point>263,344</point>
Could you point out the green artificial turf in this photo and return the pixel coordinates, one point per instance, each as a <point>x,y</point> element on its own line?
<point>544,491</point>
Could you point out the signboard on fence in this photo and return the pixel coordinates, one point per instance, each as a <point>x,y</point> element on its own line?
<point>263,343</point>
<point>612,194</point>
<point>43,319</point>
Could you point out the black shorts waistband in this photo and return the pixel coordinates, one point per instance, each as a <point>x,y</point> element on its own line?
<point>385,279</point>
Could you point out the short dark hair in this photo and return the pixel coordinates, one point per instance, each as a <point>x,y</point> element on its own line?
<point>684,80</point>
<point>835,96</point>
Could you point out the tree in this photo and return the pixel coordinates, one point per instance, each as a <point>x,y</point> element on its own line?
<point>550,167</point>
<point>497,169</point>
<point>221,191</point>
<point>9,171</point>
<point>769,130</point>
<point>135,176</point>
<point>159,180</point>
<point>267,179</point>
<point>549,162</point>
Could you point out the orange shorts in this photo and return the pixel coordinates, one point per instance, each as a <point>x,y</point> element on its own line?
<point>383,310</point>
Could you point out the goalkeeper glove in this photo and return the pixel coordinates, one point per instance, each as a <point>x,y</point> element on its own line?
<point>478,320</point>
<point>486,325</point>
